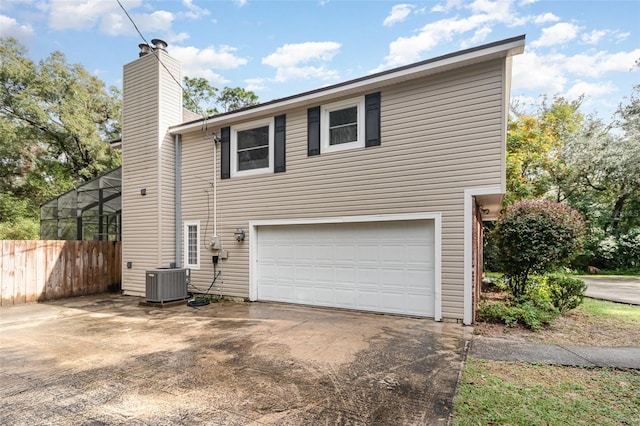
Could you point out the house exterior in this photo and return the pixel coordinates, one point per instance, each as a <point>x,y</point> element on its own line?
<point>367,195</point>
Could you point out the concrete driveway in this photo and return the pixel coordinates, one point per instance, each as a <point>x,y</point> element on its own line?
<point>615,289</point>
<point>106,360</point>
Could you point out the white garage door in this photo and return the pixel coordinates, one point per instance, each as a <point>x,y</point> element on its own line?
<point>372,266</point>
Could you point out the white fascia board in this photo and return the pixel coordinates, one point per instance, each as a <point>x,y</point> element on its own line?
<point>385,78</point>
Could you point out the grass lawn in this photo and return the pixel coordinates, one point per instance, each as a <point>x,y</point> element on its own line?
<point>610,310</point>
<point>512,393</point>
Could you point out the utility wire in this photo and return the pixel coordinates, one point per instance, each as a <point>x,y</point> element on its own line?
<point>184,92</point>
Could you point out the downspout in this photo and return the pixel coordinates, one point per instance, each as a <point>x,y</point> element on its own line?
<point>178,198</point>
<point>215,188</point>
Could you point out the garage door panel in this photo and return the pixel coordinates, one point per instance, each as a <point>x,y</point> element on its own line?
<point>324,274</point>
<point>376,266</point>
<point>345,275</point>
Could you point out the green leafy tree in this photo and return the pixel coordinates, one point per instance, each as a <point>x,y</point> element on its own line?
<point>56,122</point>
<point>201,97</point>
<point>535,166</point>
<point>232,99</point>
<point>198,92</point>
<point>536,236</point>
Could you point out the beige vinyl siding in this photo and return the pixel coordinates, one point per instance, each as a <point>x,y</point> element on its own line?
<point>148,157</point>
<point>439,135</point>
<point>170,113</point>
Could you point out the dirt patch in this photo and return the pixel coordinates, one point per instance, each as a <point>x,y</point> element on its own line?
<point>578,328</point>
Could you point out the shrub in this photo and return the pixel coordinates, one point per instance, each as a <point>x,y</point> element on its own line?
<point>530,314</point>
<point>535,236</point>
<point>566,293</point>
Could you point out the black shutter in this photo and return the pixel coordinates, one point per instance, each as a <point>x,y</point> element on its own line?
<point>372,119</point>
<point>313,131</point>
<point>225,152</point>
<point>279,144</point>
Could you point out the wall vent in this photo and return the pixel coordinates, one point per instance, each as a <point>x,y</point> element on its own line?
<point>167,285</point>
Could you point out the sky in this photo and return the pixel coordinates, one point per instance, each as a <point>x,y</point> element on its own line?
<point>282,48</point>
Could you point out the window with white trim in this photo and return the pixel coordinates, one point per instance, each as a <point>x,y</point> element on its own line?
<point>192,244</point>
<point>342,125</point>
<point>252,148</point>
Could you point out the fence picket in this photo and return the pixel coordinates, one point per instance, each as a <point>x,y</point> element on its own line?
<point>50,269</point>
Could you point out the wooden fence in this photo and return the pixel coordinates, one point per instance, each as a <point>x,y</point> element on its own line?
<point>35,271</point>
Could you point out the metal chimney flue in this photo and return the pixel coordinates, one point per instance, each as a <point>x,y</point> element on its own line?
<point>145,49</point>
<point>159,44</point>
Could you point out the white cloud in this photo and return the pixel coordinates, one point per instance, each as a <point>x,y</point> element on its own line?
<point>481,35</point>
<point>485,13</point>
<point>172,37</point>
<point>194,12</point>
<point>450,4</point>
<point>240,3</point>
<point>255,84</point>
<point>527,2</point>
<point>560,33</point>
<point>621,36</point>
<point>292,60</point>
<point>294,54</point>
<point>590,90</point>
<point>193,58</point>
<point>202,62</point>
<point>158,21</point>
<point>83,14</point>
<point>116,23</point>
<point>398,13</point>
<point>306,72</point>
<point>570,76</point>
<point>596,64</point>
<point>108,16</point>
<point>9,27</point>
<point>539,73</point>
<point>545,18</point>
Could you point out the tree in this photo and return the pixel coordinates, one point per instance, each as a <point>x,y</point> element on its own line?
<point>199,96</point>
<point>535,166</point>
<point>56,122</point>
<point>606,167</point>
<point>232,99</point>
<point>198,92</point>
<point>535,236</point>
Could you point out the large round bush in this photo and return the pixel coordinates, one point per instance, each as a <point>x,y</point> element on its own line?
<point>536,236</point>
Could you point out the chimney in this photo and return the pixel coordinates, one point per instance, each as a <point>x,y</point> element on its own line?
<point>151,103</point>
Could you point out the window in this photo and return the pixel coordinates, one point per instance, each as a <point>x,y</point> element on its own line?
<point>342,125</point>
<point>192,244</point>
<point>252,148</point>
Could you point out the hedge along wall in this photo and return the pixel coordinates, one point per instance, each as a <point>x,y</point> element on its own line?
<point>35,271</point>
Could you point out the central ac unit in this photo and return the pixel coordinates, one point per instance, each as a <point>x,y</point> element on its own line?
<point>167,284</point>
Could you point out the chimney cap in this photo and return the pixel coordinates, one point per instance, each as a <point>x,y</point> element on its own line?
<point>159,44</point>
<point>145,49</point>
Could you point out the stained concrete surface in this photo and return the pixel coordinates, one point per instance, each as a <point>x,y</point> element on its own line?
<point>499,349</point>
<point>106,360</point>
<point>615,289</point>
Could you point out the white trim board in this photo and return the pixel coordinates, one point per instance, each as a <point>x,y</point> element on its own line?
<point>469,193</point>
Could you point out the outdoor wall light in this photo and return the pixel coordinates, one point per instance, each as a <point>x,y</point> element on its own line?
<point>239,234</point>
<point>143,191</point>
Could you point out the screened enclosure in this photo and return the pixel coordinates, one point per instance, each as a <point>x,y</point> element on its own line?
<point>91,211</point>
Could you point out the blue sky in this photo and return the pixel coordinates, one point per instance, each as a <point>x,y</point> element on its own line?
<point>280,48</point>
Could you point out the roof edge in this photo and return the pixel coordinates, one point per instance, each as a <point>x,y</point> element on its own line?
<point>503,48</point>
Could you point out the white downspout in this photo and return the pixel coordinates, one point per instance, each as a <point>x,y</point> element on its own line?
<point>178,198</point>
<point>215,186</point>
